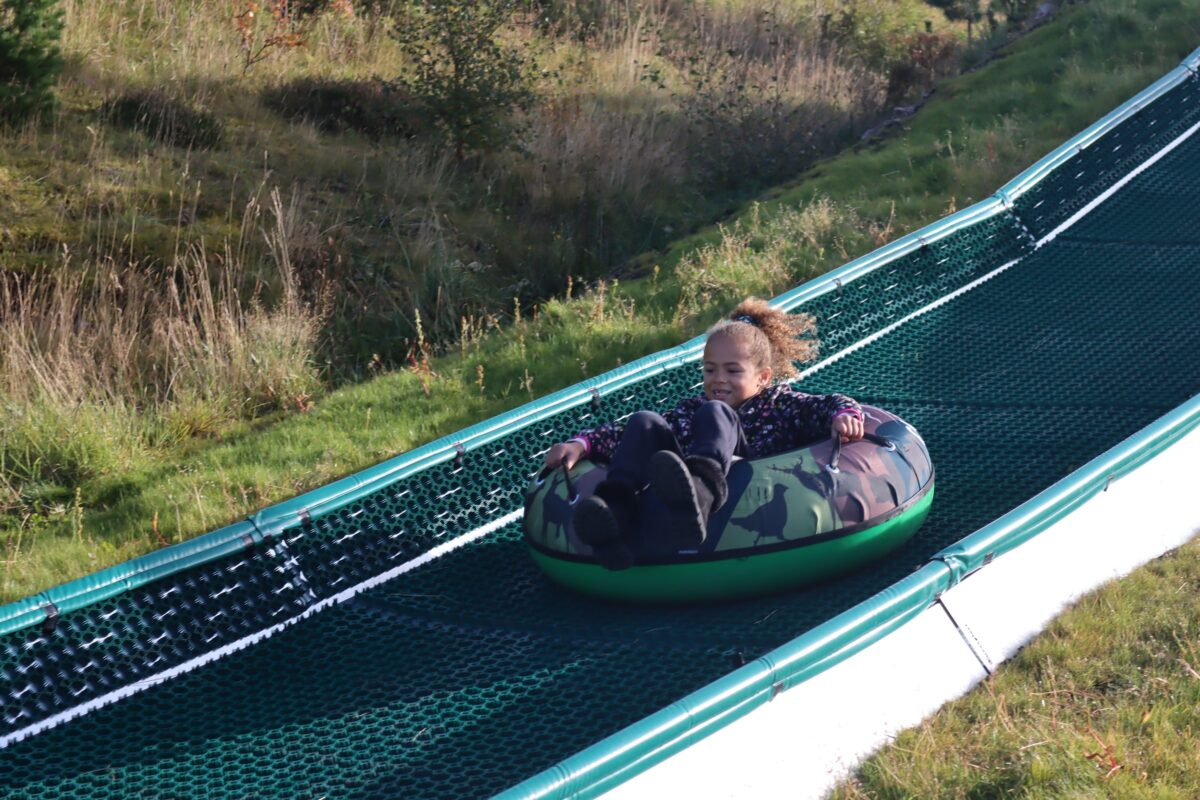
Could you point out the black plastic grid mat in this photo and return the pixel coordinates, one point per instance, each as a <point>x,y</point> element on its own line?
<point>1109,159</point>
<point>187,616</point>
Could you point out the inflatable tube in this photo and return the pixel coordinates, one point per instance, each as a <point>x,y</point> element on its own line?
<point>792,519</point>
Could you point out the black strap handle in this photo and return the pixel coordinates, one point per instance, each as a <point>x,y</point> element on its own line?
<point>873,438</point>
<point>572,495</point>
<point>545,473</point>
<point>832,466</point>
<point>882,441</point>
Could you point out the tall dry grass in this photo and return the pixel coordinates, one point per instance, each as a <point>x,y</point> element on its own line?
<point>667,104</point>
<point>105,362</point>
<point>670,108</point>
<point>628,111</point>
<point>764,254</point>
<point>193,43</point>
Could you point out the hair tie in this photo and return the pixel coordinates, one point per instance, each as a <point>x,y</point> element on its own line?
<point>746,318</point>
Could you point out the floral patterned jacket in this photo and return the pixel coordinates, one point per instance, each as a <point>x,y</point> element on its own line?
<point>776,419</point>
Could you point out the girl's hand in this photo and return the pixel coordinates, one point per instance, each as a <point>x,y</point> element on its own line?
<point>564,454</point>
<point>848,426</point>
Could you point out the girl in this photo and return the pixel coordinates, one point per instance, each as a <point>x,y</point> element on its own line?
<point>684,455</point>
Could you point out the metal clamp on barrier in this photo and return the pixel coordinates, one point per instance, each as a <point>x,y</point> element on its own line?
<point>50,623</point>
<point>1192,62</point>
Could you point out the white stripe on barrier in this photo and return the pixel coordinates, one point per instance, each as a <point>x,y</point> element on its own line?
<point>1110,191</point>
<point>254,638</point>
<point>879,334</point>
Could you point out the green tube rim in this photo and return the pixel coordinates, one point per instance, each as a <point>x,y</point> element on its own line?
<point>718,579</point>
<point>750,552</point>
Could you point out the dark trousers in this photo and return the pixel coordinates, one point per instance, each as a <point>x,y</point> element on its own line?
<point>716,434</point>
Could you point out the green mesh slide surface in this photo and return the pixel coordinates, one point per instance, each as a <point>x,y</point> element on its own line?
<point>473,672</point>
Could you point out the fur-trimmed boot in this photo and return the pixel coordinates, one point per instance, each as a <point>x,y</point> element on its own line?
<point>694,487</point>
<point>607,516</point>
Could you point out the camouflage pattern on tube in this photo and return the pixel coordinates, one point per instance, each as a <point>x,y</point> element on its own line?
<point>779,502</point>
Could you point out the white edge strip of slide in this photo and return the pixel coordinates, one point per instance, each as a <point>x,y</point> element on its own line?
<point>254,638</point>
<point>807,739</point>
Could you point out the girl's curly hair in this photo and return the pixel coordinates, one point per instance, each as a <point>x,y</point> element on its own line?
<point>774,338</point>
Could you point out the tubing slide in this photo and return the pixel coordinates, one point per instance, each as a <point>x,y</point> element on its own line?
<point>389,635</point>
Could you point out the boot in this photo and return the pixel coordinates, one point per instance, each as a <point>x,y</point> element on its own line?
<point>606,517</point>
<point>693,487</point>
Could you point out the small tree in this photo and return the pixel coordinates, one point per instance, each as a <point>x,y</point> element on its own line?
<point>580,19</point>
<point>1017,11</point>
<point>466,79</point>
<point>267,26</point>
<point>970,10</point>
<point>30,60</point>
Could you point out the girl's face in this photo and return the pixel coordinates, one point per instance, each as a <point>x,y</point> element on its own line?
<point>729,373</point>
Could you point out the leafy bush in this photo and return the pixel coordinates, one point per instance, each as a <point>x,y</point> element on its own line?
<point>461,72</point>
<point>875,30</point>
<point>165,119</point>
<point>579,19</point>
<point>927,57</point>
<point>370,107</point>
<point>30,61</point>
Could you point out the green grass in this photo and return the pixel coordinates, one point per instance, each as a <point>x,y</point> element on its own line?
<point>978,131</point>
<point>1102,704</point>
<point>981,129</point>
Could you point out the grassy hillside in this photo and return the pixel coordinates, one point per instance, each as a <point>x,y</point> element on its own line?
<point>646,122</point>
<point>977,131</point>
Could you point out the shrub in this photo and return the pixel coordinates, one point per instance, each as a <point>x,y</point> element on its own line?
<point>927,57</point>
<point>460,71</point>
<point>579,19</point>
<point>30,61</point>
<point>370,107</point>
<point>874,30</point>
<point>165,119</point>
